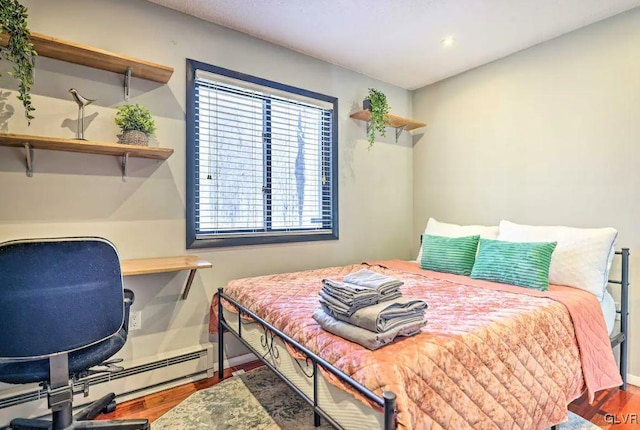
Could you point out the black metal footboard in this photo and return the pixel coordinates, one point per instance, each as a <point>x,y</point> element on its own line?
<point>387,401</point>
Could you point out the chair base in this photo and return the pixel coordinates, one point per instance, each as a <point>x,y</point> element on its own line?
<point>81,419</point>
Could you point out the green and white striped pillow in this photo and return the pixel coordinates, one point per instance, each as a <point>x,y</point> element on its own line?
<point>525,264</point>
<point>449,254</point>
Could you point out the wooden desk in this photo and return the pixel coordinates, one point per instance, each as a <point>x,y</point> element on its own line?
<point>146,266</point>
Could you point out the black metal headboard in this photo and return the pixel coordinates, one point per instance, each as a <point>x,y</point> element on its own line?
<point>622,338</point>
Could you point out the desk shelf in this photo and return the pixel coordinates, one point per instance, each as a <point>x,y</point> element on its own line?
<point>29,143</point>
<point>147,266</point>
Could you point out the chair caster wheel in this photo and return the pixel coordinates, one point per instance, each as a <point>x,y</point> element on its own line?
<point>111,407</point>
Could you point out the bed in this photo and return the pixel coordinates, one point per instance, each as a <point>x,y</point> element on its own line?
<point>502,357</point>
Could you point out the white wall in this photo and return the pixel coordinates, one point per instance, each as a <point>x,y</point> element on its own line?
<point>77,194</point>
<point>550,135</point>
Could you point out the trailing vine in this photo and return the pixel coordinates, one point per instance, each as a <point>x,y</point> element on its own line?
<point>20,51</point>
<point>379,108</point>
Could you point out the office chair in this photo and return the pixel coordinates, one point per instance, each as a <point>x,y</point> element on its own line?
<point>62,311</point>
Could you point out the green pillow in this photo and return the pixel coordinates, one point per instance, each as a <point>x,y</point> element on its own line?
<point>525,264</point>
<point>449,254</point>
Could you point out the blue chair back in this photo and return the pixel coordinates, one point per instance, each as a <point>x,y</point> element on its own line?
<point>58,295</point>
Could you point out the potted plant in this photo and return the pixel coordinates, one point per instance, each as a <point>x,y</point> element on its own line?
<point>136,124</point>
<point>376,103</point>
<point>13,21</point>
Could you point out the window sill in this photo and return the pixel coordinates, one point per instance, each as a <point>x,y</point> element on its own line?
<point>221,242</point>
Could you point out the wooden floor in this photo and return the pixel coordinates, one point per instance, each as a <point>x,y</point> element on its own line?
<point>612,410</point>
<point>155,405</point>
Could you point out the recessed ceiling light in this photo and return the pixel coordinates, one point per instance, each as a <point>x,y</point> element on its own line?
<point>448,41</point>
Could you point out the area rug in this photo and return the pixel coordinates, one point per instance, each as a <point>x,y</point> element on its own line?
<point>259,400</point>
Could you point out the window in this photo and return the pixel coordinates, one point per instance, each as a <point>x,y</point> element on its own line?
<point>261,160</point>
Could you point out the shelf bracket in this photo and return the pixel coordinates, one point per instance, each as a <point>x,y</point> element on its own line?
<point>399,131</point>
<point>125,166</point>
<point>187,287</point>
<point>28,158</point>
<point>127,83</point>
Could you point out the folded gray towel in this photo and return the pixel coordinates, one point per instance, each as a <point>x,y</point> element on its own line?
<point>347,292</point>
<point>352,290</point>
<point>366,338</point>
<point>383,316</point>
<point>348,288</point>
<point>392,295</point>
<point>345,298</point>
<point>375,281</point>
<point>357,301</point>
<point>339,306</point>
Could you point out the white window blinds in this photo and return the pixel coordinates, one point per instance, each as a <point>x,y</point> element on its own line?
<point>263,161</point>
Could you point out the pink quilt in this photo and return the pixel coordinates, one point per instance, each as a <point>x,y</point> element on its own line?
<point>491,356</point>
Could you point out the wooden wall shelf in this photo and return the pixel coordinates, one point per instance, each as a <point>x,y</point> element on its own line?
<point>59,49</point>
<point>29,143</point>
<point>146,266</point>
<point>77,53</point>
<point>399,123</point>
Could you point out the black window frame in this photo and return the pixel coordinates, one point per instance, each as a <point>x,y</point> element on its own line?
<point>192,172</point>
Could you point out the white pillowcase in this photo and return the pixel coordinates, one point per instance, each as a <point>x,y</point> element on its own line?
<point>582,258</point>
<point>436,228</point>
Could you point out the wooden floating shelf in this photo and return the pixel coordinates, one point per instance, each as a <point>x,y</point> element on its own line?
<point>84,146</point>
<point>29,143</point>
<point>146,266</point>
<point>392,120</point>
<point>59,49</point>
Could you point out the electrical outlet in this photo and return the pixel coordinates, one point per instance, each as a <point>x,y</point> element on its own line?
<point>135,320</point>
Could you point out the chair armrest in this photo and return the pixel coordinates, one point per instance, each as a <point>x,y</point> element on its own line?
<point>129,298</point>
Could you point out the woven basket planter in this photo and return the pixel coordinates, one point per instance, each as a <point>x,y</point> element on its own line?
<point>134,137</point>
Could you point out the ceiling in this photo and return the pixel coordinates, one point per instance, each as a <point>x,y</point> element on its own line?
<point>399,41</point>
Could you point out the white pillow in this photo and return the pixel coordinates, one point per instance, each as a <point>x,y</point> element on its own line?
<point>582,258</point>
<point>436,228</point>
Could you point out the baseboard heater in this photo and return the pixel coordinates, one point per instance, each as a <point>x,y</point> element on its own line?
<point>131,380</point>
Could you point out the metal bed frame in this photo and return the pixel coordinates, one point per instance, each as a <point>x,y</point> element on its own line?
<point>622,338</point>
<point>388,399</point>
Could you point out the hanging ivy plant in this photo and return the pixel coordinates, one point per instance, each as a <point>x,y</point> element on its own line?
<point>13,21</point>
<point>379,108</point>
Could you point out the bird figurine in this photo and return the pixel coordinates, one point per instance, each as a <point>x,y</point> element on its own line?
<point>82,102</point>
